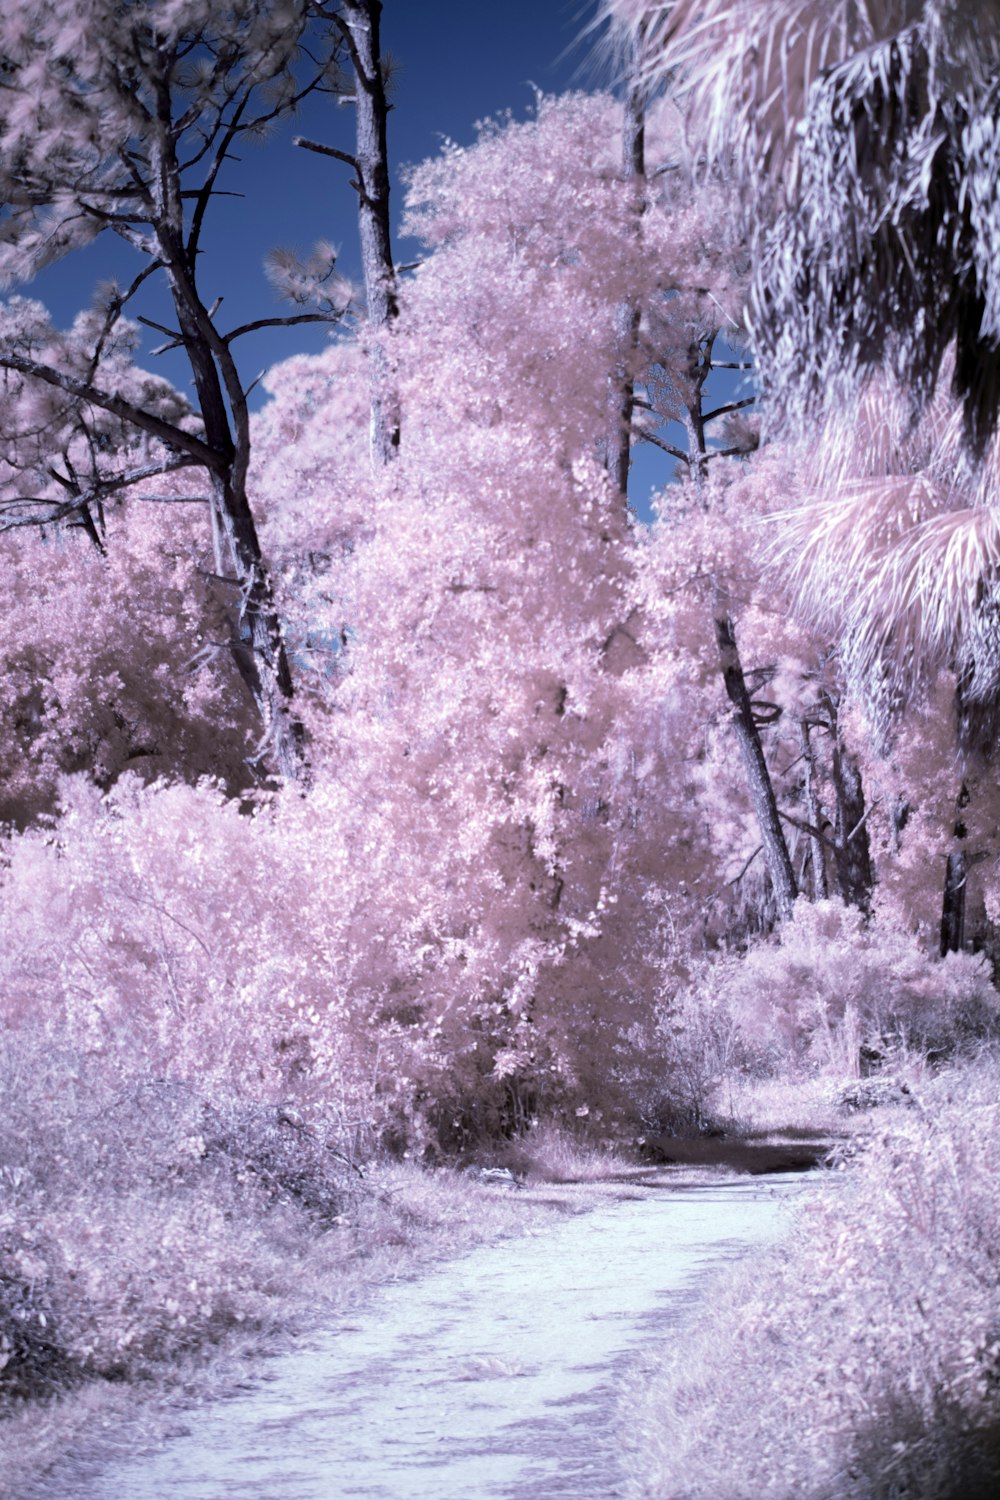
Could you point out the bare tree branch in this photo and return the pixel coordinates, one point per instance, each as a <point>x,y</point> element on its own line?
<point>344,156</point>
<point>99,490</point>
<point>287,322</point>
<point>720,411</point>
<point>658,442</point>
<point>84,390</point>
<point>116,307</point>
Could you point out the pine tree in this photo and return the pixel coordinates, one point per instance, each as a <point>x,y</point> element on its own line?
<point>122,122</point>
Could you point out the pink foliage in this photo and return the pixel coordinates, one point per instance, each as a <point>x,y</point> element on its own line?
<point>113,647</point>
<point>524,818</point>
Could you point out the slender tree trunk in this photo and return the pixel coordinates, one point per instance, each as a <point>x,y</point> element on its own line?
<point>855,875</point>
<point>257,639</point>
<point>257,644</point>
<point>899,816</point>
<point>953,904</point>
<point>618,444</point>
<point>363,18</point>
<point>817,854</point>
<point>762,796</point>
<point>955,885</point>
<point>852,850</point>
<point>699,368</point>
<point>359,24</point>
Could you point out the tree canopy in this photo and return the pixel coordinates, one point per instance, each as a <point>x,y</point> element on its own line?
<point>862,141</point>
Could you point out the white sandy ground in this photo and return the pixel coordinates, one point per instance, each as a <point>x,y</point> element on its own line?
<point>491,1376</point>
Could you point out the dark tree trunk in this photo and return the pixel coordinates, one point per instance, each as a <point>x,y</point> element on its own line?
<point>855,876</point>
<point>852,850</point>
<point>953,905</point>
<point>899,816</point>
<point>955,884</point>
<point>699,368</point>
<point>618,445</point>
<point>257,639</point>
<point>762,796</point>
<point>814,814</point>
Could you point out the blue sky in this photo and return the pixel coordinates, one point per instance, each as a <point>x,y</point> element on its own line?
<point>459,61</point>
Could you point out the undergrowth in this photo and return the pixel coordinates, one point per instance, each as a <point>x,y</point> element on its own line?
<point>155,1241</point>
<point>828,999</point>
<point>161,1228</point>
<point>860,1360</point>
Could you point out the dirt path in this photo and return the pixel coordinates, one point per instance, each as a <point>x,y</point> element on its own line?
<point>492,1376</point>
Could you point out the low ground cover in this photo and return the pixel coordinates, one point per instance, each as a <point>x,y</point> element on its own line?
<point>155,1245</point>
<point>158,1236</point>
<point>862,1358</point>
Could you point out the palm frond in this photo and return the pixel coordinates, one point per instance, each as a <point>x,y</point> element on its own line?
<point>747,67</point>
<point>877,262</point>
<point>864,137</point>
<point>878,436</point>
<point>906,576</point>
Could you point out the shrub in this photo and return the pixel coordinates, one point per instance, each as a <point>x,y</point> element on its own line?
<point>878,1326</point>
<point>829,994</point>
<point>682,1065</point>
<point>831,990</point>
<point>32,1358</point>
<point>142,1218</point>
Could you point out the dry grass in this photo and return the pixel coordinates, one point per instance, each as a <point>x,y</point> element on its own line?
<point>548,1153</point>
<point>819,1104</point>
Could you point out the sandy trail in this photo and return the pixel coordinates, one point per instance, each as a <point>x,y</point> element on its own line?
<point>491,1376</point>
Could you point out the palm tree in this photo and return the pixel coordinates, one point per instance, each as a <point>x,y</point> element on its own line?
<point>863,138</point>
<point>894,553</point>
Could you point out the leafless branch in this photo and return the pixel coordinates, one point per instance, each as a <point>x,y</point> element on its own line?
<point>178,338</point>
<point>650,437</point>
<point>116,306</point>
<point>84,390</point>
<point>344,156</point>
<point>720,411</point>
<point>815,833</point>
<point>286,322</point>
<point>737,878</point>
<point>99,489</point>
<point>740,451</point>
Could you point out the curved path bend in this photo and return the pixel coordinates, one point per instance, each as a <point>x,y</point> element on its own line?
<point>492,1377</point>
